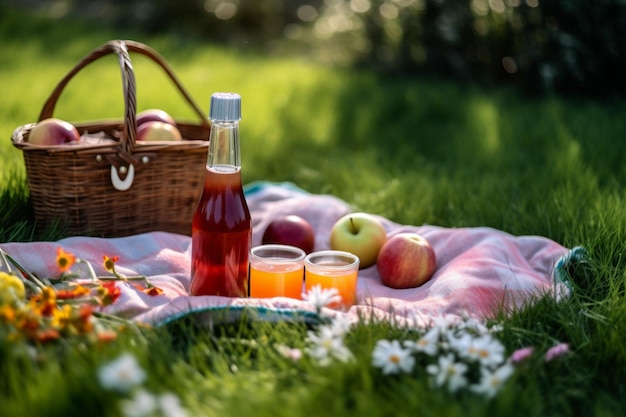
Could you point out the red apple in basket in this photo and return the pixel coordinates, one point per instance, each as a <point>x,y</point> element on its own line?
<point>290,230</point>
<point>154,115</point>
<point>158,131</point>
<point>361,234</point>
<point>406,260</point>
<point>53,131</point>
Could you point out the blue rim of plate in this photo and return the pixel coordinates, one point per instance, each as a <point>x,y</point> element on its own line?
<point>225,314</point>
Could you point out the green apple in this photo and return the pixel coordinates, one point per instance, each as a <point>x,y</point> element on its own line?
<point>361,234</point>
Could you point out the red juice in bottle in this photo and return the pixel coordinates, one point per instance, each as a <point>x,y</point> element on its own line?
<point>221,227</point>
<point>221,236</point>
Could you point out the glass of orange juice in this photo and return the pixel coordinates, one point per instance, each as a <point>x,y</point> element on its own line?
<point>333,269</point>
<point>276,271</point>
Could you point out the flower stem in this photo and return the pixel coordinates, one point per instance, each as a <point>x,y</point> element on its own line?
<point>118,277</point>
<point>92,273</point>
<point>8,260</point>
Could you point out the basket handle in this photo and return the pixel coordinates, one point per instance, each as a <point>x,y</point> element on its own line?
<point>121,48</point>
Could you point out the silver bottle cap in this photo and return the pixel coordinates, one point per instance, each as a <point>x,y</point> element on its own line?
<point>225,107</point>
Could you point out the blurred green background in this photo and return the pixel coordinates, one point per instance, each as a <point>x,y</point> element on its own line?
<point>569,47</point>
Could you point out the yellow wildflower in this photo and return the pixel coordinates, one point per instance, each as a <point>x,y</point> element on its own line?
<point>65,260</point>
<point>12,289</point>
<point>109,263</point>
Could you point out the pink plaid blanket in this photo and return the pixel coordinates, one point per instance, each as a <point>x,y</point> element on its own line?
<point>479,270</point>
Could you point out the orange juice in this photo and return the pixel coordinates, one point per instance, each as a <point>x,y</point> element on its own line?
<point>344,283</point>
<point>276,271</point>
<point>333,269</point>
<point>276,282</point>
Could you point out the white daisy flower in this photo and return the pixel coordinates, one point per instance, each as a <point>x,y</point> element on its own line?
<point>326,346</point>
<point>341,324</point>
<point>496,328</point>
<point>392,358</point>
<point>474,326</point>
<point>122,374</point>
<point>141,404</point>
<point>428,343</point>
<point>461,344</point>
<point>170,406</point>
<point>445,322</point>
<point>448,372</point>
<point>491,381</point>
<point>321,297</point>
<point>487,350</point>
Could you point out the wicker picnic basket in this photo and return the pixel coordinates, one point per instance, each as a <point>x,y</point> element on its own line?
<point>125,186</point>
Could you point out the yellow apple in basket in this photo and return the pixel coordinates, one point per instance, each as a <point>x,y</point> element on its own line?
<point>53,131</point>
<point>158,131</point>
<point>154,115</point>
<point>406,260</point>
<point>361,234</point>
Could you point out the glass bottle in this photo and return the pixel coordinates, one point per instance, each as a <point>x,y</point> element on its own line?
<point>221,227</point>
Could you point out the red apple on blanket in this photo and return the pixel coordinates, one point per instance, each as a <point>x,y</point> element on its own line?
<point>158,131</point>
<point>290,230</point>
<point>361,234</point>
<point>53,131</point>
<point>406,260</point>
<point>154,115</point>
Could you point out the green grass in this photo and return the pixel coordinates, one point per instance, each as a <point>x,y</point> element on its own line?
<point>414,150</point>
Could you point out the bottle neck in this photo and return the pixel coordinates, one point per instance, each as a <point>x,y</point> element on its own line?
<point>224,144</point>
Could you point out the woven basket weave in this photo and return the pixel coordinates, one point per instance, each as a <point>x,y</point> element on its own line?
<point>123,187</point>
